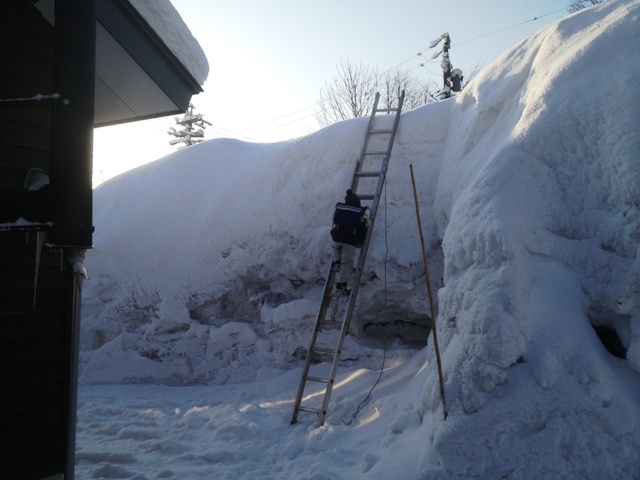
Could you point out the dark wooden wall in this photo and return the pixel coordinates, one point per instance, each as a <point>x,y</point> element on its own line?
<point>26,69</point>
<point>35,338</point>
<point>34,349</point>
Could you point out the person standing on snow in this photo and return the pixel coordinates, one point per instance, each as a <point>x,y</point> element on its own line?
<point>348,232</point>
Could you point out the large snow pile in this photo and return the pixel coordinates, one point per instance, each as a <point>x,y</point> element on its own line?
<point>209,264</point>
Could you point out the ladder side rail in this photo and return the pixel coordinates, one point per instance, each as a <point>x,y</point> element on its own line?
<point>383,171</point>
<point>360,163</point>
<point>392,136</point>
<point>396,121</point>
<point>354,178</point>
<point>361,259</point>
<point>372,120</point>
<point>364,250</point>
<point>332,373</point>
<point>303,378</point>
<point>326,295</point>
<point>326,300</point>
<point>373,212</point>
<point>350,307</point>
<point>346,322</point>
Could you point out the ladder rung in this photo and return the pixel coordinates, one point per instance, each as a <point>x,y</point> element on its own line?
<point>310,410</point>
<point>332,325</point>
<point>381,130</point>
<point>386,110</point>
<point>368,174</point>
<point>324,350</point>
<point>318,379</point>
<point>366,196</point>
<point>377,152</point>
<point>338,294</point>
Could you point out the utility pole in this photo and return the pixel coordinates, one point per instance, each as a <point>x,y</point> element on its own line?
<point>188,134</point>
<point>452,77</point>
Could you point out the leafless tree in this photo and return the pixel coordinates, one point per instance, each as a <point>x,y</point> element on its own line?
<point>350,95</point>
<point>418,92</point>
<point>391,85</point>
<point>576,5</point>
<point>352,92</point>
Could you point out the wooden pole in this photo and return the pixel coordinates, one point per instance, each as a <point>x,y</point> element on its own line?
<point>434,330</point>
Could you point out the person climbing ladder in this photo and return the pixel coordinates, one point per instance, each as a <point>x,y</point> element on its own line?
<point>348,233</point>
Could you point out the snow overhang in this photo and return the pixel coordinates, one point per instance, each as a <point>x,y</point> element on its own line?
<point>137,75</point>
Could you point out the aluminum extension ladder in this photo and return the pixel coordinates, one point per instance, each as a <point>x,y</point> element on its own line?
<point>368,182</point>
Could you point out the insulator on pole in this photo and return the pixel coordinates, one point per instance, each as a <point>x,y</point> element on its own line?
<point>451,78</point>
<point>188,132</point>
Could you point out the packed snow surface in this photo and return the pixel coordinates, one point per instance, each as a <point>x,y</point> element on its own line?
<point>208,268</point>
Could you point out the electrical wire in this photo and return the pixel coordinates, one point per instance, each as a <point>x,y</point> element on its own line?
<point>508,28</point>
<point>285,124</point>
<point>419,54</point>
<point>283,116</point>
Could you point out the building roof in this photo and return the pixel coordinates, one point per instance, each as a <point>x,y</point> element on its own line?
<point>147,62</point>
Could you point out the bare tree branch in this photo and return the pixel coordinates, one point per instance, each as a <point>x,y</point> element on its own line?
<point>352,91</point>
<point>350,95</point>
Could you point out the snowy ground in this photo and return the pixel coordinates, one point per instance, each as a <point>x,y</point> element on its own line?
<point>242,430</point>
<point>200,301</point>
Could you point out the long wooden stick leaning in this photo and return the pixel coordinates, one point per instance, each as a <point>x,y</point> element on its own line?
<point>434,331</point>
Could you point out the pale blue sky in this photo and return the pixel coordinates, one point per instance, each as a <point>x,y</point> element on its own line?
<point>269,59</point>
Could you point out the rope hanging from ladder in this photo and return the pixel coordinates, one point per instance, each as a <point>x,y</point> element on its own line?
<point>386,317</point>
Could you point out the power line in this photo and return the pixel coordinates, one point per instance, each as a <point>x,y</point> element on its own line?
<point>222,130</point>
<point>288,123</point>
<point>283,116</point>
<point>419,54</point>
<point>508,28</point>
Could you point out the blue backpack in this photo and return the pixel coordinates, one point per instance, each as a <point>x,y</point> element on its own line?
<point>349,224</point>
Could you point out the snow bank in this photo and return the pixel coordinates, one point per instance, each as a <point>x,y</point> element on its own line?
<point>208,263</point>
